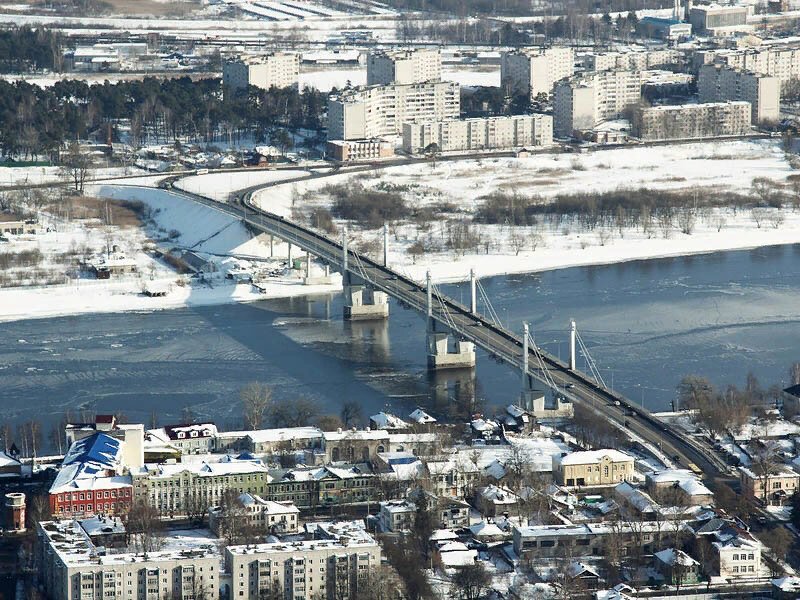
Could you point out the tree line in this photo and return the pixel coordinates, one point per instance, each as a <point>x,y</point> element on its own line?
<point>25,49</point>
<point>39,121</point>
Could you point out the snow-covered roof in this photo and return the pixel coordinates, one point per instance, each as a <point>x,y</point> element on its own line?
<point>456,554</point>
<point>670,557</point>
<point>83,476</point>
<point>498,495</point>
<point>443,535</point>
<point>190,431</point>
<point>591,457</point>
<point>486,529</point>
<point>483,425</point>
<point>226,466</point>
<point>787,584</point>
<point>420,416</point>
<point>578,569</point>
<point>261,436</point>
<point>693,487</point>
<point>384,420</point>
<point>355,434</point>
<point>102,524</point>
<point>639,499</point>
<point>8,461</point>
<point>410,438</point>
<point>398,506</point>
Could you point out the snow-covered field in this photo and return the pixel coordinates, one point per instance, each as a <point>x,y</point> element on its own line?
<point>208,232</point>
<point>219,185</point>
<point>715,165</point>
<point>12,176</point>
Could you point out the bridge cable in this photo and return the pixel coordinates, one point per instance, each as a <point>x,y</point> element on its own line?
<point>595,372</point>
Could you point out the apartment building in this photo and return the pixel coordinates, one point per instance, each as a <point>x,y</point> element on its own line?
<point>279,69</point>
<point>397,515</point>
<point>365,444</point>
<point>194,486</point>
<point>265,441</point>
<point>692,121</point>
<point>718,83</point>
<point>716,20</point>
<point>380,111</point>
<point>71,567</point>
<point>261,515</point>
<point>582,102</point>
<point>592,467</point>
<point>330,566</point>
<point>534,71</point>
<point>781,61</point>
<point>483,133</point>
<point>635,60</point>
<point>773,488</point>
<point>404,66</point>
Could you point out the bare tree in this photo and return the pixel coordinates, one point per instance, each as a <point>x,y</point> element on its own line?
<point>765,462</point>
<point>256,398</point>
<point>75,165</point>
<point>471,582</point>
<point>144,527</point>
<point>294,413</point>
<point>351,413</point>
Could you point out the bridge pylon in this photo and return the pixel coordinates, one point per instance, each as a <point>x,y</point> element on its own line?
<point>445,351</point>
<point>361,302</point>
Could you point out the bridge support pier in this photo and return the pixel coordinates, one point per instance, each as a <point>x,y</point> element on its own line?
<point>316,278</point>
<point>445,351</point>
<point>361,303</point>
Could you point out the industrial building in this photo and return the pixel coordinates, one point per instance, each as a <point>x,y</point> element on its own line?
<point>715,19</point>
<point>692,121</point>
<point>534,71</point>
<point>483,133</point>
<point>279,69</point>
<point>378,111</point>
<point>583,101</point>
<point>718,83</point>
<point>404,67</point>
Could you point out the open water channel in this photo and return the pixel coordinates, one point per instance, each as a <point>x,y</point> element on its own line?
<point>647,323</point>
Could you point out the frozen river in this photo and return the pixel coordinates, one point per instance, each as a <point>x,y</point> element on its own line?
<point>647,324</point>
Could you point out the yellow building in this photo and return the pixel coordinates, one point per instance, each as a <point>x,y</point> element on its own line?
<point>595,467</point>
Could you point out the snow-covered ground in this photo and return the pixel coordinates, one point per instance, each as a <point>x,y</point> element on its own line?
<point>718,166</point>
<point>210,233</point>
<point>219,185</point>
<point>13,176</point>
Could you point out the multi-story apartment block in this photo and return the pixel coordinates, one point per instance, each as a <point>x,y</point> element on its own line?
<point>592,467</point>
<point>714,18</point>
<point>92,479</point>
<point>583,101</point>
<point>692,121</point>
<point>781,61</point>
<point>261,515</point>
<point>482,133</point>
<point>640,60</point>
<point>264,441</point>
<point>773,488</point>
<point>735,552</point>
<point>378,111</point>
<point>404,66</point>
<point>71,567</point>
<point>331,566</point>
<point>182,487</point>
<point>718,83</point>
<point>279,69</point>
<point>534,71</point>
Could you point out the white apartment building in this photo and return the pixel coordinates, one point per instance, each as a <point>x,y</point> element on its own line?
<point>71,567</point>
<point>584,101</point>
<point>397,515</point>
<point>781,61</point>
<point>692,121</point>
<point>262,515</point>
<point>482,133</point>
<point>404,66</point>
<point>718,83</point>
<point>635,60</point>
<point>331,567</point>
<point>378,111</point>
<point>279,69</point>
<point>534,71</point>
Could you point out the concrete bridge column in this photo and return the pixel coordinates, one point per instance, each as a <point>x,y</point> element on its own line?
<point>444,350</point>
<point>361,303</point>
<point>531,399</point>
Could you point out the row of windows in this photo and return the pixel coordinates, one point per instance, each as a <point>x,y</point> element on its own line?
<point>123,493</point>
